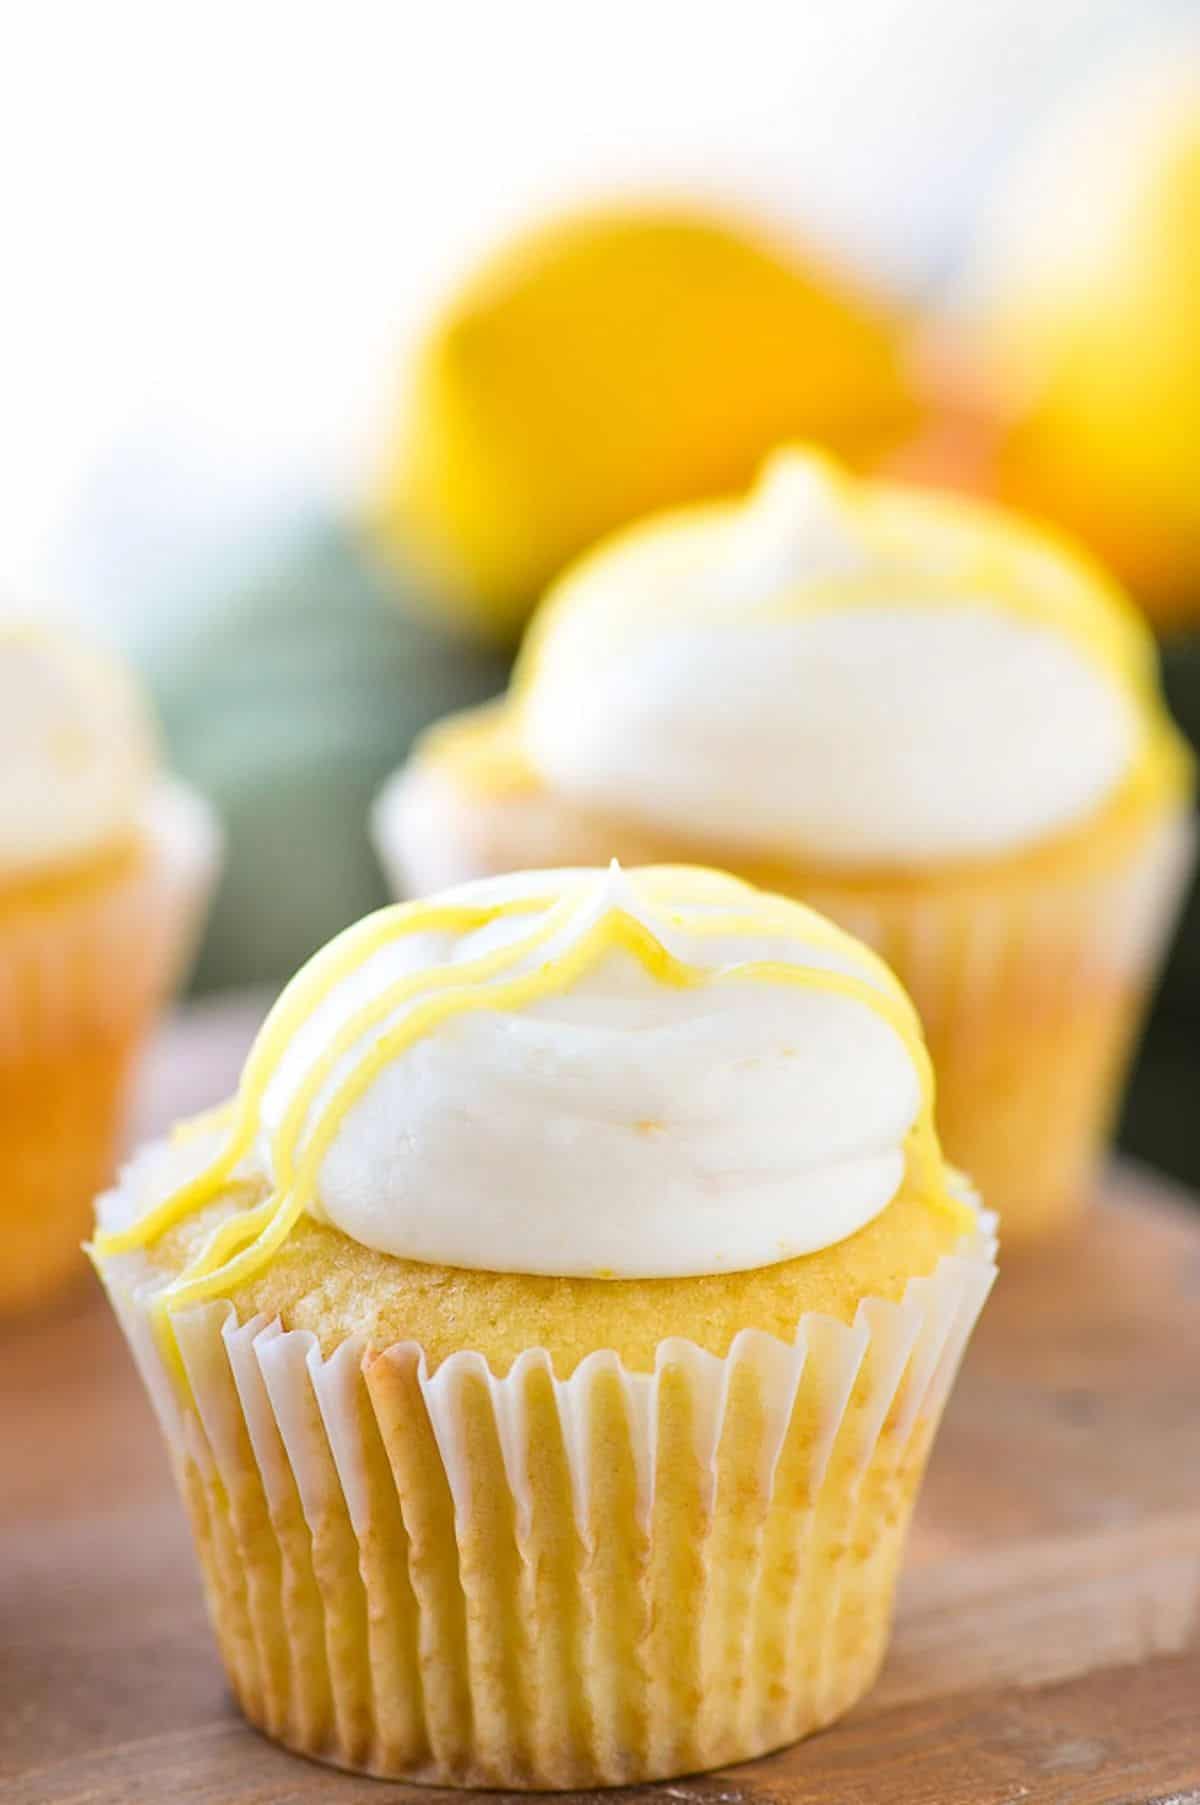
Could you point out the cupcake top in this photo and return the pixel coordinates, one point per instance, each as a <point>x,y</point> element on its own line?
<point>77,749</point>
<point>853,671</point>
<point>659,1073</point>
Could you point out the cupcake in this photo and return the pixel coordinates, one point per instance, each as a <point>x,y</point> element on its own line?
<point>936,725</point>
<point>550,1337</point>
<point>104,870</point>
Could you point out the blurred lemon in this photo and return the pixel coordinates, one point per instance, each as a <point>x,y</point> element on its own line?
<point>607,365</point>
<point>1084,304</point>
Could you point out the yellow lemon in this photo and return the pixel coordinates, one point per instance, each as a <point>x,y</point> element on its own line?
<point>607,365</point>
<point>1086,310</point>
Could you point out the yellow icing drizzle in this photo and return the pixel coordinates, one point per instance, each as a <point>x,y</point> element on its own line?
<point>494,981</point>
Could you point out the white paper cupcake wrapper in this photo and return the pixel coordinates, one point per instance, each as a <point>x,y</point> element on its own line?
<point>958,952</point>
<point>1032,1000</point>
<point>270,1414</point>
<point>110,955</point>
<point>86,962</point>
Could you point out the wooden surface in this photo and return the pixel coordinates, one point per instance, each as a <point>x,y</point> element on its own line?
<point>1048,1640</point>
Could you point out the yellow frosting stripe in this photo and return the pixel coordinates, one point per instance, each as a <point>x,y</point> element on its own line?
<point>224,1243</point>
<point>298,1001</point>
<point>614,930</point>
<point>235,1252</point>
<point>795,922</point>
<point>492,982</point>
<point>229,1263</point>
<point>198,1127</point>
<point>476,971</point>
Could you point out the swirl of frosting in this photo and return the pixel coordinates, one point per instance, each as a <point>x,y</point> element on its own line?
<point>77,749</point>
<point>621,1075</point>
<point>851,672</point>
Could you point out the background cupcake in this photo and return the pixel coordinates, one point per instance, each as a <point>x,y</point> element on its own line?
<point>936,725</point>
<point>1071,340</point>
<point>104,870</point>
<point>550,1339</point>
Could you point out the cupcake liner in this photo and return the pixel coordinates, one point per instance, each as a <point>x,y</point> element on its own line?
<point>526,1581</point>
<point>92,955</point>
<point>84,965</point>
<point>959,948</point>
<point>1031,997</point>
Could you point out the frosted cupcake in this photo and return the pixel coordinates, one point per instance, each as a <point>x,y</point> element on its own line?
<point>938,726</point>
<point>104,870</point>
<point>550,1338</point>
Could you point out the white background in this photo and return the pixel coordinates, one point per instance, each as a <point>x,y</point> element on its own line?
<point>221,222</point>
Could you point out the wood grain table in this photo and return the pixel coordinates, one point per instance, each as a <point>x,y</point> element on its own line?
<point>1047,1644</point>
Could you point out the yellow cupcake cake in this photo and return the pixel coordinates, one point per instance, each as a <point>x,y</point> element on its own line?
<point>937,726</point>
<point>104,871</point>
<point>550,1336</point>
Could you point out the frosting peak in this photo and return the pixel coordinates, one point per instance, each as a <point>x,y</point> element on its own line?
<point>797,527</point>
<point>837,671</point>
<point>618,1074</point>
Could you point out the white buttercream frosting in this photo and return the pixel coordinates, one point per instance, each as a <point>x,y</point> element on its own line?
<point>626,1121</point>
<point>833,670</point>
<point>77,749</point>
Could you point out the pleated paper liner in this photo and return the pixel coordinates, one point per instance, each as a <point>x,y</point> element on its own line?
<point>1031,992</point>
<point>532,1582</point>
<point>1032,1000</point>
<point>84,968</point>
